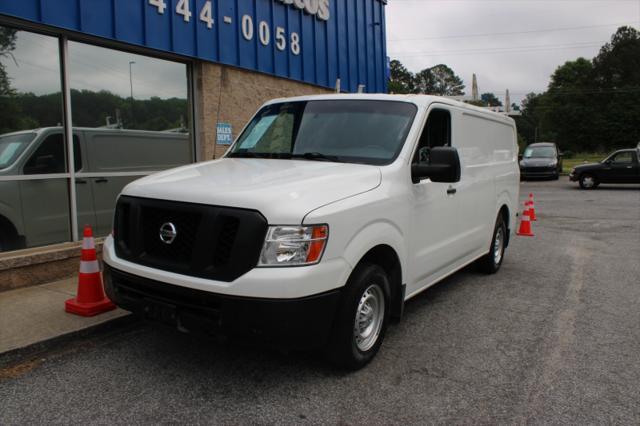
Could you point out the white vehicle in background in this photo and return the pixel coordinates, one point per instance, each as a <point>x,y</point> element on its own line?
<point>35,211</point>
<point>323,218</point>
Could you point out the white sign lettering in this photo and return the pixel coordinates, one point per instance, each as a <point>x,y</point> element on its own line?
<point>318,8</point>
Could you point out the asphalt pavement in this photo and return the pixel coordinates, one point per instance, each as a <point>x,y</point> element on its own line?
<point>554,337</point>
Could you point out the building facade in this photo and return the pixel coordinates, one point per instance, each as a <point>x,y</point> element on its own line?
<point>97,93</point>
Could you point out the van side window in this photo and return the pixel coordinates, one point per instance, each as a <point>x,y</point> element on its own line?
<point>436,132</point>
<point>48,157</point>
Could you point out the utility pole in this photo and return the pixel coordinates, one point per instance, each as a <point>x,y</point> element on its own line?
<point>131,85</point>
<point>131,78</point>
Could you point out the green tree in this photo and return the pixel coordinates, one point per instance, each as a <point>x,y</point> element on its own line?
<point>438,80</point>
<point>569,107</point>
<point>402,80</point>
<point>445,81</point>
<point>7,46</point>
<point>489,99</point>
<point>590,105</point>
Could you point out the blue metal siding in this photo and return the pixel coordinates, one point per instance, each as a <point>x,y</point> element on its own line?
<point>350,45</point>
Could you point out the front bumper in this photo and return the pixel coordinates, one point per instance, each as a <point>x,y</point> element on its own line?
<point>295,323</point>
<point>266,283</point>
<point>538,172</point>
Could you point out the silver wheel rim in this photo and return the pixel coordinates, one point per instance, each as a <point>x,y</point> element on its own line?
<point>369,318</point>
<point>498,245</point>
<point>587,181</point>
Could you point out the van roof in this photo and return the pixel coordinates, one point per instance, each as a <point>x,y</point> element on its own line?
<point>418,100</point>
<point>94,129</point>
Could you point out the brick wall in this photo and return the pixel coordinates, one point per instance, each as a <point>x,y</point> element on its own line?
<point>232,95</point>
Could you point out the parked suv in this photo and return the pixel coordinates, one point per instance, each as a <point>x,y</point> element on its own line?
<point>35,211</point>
<point>324,217</point>
<point>541,160</point>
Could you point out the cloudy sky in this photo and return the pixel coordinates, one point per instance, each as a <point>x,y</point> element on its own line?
<point>34,67</point>
<point>508,44</point>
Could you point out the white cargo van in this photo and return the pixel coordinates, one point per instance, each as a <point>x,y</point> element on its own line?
<point>323,218</point>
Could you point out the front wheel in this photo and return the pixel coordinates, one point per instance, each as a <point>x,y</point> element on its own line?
<point>362,319</point>
<point>491,262</point>
<point>588,181</point>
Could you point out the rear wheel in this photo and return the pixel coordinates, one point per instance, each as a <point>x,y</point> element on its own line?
<point>588,181</point>
<point>362,319</point>
<point>8,239</point>
<point>491,262</point>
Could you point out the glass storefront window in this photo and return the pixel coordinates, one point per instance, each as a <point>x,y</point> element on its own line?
<point>34,183</point>
<point>130,115</point>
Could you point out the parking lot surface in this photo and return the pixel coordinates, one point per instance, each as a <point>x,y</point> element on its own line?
<point>554,337</point>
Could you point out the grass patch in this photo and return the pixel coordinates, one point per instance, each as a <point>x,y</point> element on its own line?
<point>577,159</point>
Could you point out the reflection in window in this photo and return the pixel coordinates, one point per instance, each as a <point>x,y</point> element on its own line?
<point>131,115</point>
<point>115,89</point>
<point>34,212</point>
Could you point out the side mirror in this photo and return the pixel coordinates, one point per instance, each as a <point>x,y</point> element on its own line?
<point>444,166</point>
<point>520,156</point>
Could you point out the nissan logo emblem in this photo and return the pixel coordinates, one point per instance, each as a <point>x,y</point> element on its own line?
<point>168,233</point>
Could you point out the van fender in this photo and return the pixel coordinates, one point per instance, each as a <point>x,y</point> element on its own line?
<point>504,199</point>
<point>374,234</point>
<point>383,235</point>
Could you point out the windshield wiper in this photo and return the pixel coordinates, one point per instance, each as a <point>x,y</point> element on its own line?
<point>317,156</point>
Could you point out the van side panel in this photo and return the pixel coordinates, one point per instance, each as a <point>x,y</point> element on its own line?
<point>131,152</point>
<point>489,167</point>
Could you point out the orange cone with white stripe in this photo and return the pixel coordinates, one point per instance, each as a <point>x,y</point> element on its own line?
<point>90,299</point>
<point>532,209</point>
<point>525,222</point>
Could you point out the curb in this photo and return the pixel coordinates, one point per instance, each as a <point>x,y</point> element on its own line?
<point>54,344</point>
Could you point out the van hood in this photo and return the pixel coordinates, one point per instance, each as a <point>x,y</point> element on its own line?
<point>284,191</point>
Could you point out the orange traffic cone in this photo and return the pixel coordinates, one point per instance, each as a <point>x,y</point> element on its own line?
<point>525,223</point>
<point>532,209</point>
<point>90,299</point>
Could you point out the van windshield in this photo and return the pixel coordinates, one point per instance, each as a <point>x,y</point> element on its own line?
<point>540,152</point>
<point>11,146</point>
<point>352,131</point>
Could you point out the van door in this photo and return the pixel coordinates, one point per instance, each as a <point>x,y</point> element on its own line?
<point>84,191</point>
<point>483,148</point>
<point>619,168</point>
<point>45,202</point>
<point>131,152</point>
<point>434,239</point>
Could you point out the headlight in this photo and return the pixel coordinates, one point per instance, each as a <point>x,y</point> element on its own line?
<point>522,163</point>
<point>294,245</point>
<point>554,163</point>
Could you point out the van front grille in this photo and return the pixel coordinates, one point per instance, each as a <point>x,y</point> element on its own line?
<point>213,242</point>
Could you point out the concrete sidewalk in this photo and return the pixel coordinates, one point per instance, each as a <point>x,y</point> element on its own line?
<point>34,314</point>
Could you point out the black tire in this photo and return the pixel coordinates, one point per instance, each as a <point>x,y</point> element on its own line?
<point>8,239</point>
<point>343,348</point>
<point>490,263</point>
<point>585,181</point>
